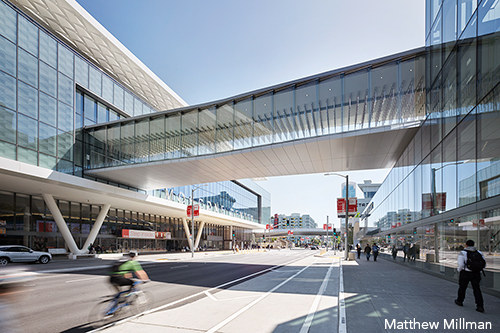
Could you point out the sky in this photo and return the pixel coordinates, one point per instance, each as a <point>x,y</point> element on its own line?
<point>211,50</point>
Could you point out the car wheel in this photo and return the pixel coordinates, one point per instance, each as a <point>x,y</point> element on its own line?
<point>4,261</point>
<point>44,259</point>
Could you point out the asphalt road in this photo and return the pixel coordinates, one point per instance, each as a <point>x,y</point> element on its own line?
<point>61,302</point>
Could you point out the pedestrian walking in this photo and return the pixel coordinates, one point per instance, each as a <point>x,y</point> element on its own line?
<point>358,249</point>
<point>368,250</point>
<point>394,252</point>
<point>406,252</point>
<point>375,250</point>
<point>413,252</point>
<point>471,263</point>
<point>91,248</point>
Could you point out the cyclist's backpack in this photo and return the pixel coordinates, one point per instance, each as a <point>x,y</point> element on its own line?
<point>475,261</point>
<point>115,267</point>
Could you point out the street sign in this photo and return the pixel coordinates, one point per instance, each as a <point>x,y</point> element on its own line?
<point>196,210</point>
<point>267,226</point>
<point>353,207</point>
<point>329,227</point>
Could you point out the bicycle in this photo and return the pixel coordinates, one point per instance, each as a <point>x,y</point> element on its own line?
<point>134,301</point>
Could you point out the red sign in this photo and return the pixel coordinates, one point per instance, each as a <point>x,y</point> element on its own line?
<point>196,210</point>
<point>290,232</point>
<point>353,206</point>
<point>267,226</point>
<point>329,227</point>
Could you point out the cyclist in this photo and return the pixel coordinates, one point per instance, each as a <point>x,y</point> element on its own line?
<point>123,272</point>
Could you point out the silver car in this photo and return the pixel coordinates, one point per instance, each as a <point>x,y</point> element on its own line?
<point>19,253</point>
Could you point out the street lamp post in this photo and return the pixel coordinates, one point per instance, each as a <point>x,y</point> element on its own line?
<point>192,218</point>
<point>346,211</point>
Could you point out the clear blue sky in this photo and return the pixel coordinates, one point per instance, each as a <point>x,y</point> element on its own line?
<point>209,50</point>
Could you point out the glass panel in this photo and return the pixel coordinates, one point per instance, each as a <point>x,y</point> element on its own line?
<point>8,22</point>
<point>137,107</point>
<point>90,108</point>
<point>449,25</point>
<point>82,72</point>
<point>127,143</point>
<point>466,160</point>
<point>172,136</point>
<point>306,102</point>
<point>27,100</point>
<point>102,113</point>
<point>129,104</point>
<point>157,139</point>
<point>48,79</point>
<point>225,128</point>
<point>113,115</point>
<point>95,81</point>
<point>27,68</point>
<point>27,134</point>
<point>189,134</point>
<point>118,96</point>
<point>65,61</point>
<point>384,85</point>
<point>330,99</point>
<point>466,75</point>
<point>465,10</point>
<point>488,62</point>
<point>7,125</point>
<point>65,145</point>
<point>355,100</point>
<point>7,56</point>
<point>113,145</point>
<point>283,120</point>
<point>48,109</point>
<point>48,49</point>
<point>65,89</point>
<point>48,162</point>
<point>263,120</point>
<point>48,139</point>
<point>28,36</point>
<point>107,89</point>
<point>206,136</point>
<point>27,156</point>
<point>142,141</point>
<point>489,17</point>
<point>65,117</point>
<point>488,145</point>
<point>7,150</point>
<point>243,130</point>
<point>449,113</point>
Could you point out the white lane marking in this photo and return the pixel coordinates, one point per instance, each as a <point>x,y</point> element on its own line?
<point>342,317</point>
<point>179,266</point>
<point>85,279</point>
<point>314,306</point>
<point>212,297</point>
<point>196,295</point>
<point>236,314</point>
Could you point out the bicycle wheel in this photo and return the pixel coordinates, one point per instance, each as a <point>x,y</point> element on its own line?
<point>101,315</point>
<point>143,301</point>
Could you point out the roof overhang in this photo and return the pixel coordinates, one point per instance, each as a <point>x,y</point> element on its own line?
<point>24,178</point>
<point>72,24</point>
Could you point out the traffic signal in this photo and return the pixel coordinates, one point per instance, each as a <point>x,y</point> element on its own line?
<point>234,234</point>
<point>414,231</point>
<point>334,231</point>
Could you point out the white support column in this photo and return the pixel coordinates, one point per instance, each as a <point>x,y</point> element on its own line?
<point>61,224</point>
<point>198,237</point>
<point>97,227</point>
<point>188,233</point>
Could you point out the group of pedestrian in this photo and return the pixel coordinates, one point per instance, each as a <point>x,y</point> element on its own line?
<point>368,251</point>
<point>96,249</point>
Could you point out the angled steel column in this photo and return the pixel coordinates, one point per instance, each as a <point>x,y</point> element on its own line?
<point>61,224</point>
<point>186,230</point>
<point>198,236</point>
<point>97,226</point>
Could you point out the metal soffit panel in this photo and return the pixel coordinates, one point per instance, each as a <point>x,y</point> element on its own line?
<point>370,149</point>
<point>67,20</point>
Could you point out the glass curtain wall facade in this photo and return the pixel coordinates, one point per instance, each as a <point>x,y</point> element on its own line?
<point>379,94</point>
<point>449,175</point>
<point>38,79</point>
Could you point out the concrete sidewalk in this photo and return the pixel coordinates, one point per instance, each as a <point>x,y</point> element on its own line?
<point>385,291</point>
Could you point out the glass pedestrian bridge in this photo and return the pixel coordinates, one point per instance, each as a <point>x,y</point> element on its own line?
<point>382,95</point>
